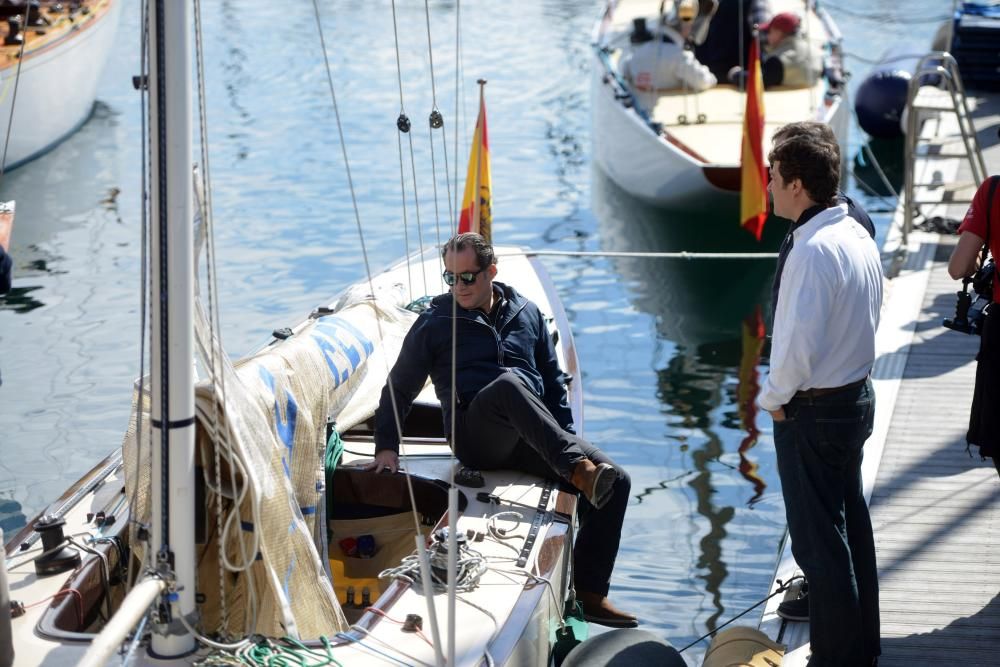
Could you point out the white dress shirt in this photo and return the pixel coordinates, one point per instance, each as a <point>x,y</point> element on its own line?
<point>828,309</point>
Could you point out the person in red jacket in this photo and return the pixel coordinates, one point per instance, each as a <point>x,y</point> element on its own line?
<point>982,226</point>
<point>6,264</point>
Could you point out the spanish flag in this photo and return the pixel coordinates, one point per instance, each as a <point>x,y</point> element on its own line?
<point>477,214</point>
<point>753,173</point>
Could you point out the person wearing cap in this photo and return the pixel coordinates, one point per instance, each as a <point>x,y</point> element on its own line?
<point>788,53</point>
<point>664,63</point>
<point>787,56</point>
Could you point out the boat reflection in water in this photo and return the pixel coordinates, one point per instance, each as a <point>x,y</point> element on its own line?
<point>60,195</point>
<point>710,324</point>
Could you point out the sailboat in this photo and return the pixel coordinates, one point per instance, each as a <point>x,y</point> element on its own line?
<point>234,523</point>
<point>51,60</point>
<point>680,148</point>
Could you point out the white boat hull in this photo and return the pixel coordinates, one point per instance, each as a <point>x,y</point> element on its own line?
<point>56,87</point>
<point>641,162</point>
<point>682,163</point>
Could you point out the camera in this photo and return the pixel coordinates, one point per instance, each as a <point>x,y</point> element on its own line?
<point>970,313</point>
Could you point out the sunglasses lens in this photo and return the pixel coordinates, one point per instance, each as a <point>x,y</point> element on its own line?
<point>467,277</point>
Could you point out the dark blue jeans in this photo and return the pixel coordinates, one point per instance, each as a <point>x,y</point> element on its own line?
<point>819,451</point>
<point>507,426</point>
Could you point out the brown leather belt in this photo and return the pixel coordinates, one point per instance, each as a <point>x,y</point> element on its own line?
<point>823,391</point>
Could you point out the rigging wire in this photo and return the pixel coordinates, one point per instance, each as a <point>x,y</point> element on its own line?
<point>682,254</point>
<point>205,203</point>
<point>145,280</point>
<point>403,125</point>
<point>782,587</point>
<point>364,256</point>
<point>459,70</point>
<point>17,78</point>
<point>367,633</point>
<point>888,17</point>
<point>137,636</point>
<point>437,121</point>
<point>878,169</point>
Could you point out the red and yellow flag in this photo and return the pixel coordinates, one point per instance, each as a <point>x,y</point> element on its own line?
<point>477,211</point>
<point>747,388</point>
<point>753,172</point>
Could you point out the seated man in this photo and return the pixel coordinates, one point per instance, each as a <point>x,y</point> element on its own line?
<point>663,63</point>
<point>730,30</point>
<point>512,410</point>
<point>788,57</point>
<point>687,22</point>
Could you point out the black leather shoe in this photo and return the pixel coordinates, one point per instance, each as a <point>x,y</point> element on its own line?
<point>598,609</point>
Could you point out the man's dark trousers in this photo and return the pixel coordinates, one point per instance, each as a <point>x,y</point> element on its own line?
<point>819,452</point>
<point>507,426</point>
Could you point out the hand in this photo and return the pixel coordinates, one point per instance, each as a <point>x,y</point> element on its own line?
<point>384,460</point>
<point>778,415</point>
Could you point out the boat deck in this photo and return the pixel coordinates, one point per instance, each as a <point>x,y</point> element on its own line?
<point>935,508</point>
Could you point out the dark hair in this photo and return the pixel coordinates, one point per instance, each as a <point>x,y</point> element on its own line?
<point>484,251</point>
<point>815,163</point>
<point>808,128</point>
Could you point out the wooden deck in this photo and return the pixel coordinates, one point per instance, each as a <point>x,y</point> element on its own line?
<point>935,508</point>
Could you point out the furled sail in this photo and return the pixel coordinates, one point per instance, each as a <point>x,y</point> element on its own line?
<point>268,414</point>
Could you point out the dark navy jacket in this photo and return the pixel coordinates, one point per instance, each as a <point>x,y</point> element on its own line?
<point>5,268</point>
<point>518,343</point>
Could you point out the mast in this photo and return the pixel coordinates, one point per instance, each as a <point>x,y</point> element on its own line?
<point>172,368</point>
<point>172,587</point>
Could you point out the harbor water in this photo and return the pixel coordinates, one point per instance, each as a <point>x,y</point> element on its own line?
<point>670,349</point>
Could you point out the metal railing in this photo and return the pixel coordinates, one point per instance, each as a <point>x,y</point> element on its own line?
<point>940,68</point>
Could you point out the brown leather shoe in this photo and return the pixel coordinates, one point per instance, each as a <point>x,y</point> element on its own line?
<point>598,609</point>
<point>596,482</point>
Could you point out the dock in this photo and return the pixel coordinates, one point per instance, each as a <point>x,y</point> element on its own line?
<point>935,507</point>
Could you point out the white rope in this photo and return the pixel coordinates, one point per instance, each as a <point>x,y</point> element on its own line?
<point>208,642</point>
<point>683,254</point>
<point>471,565</point>
<point>213,311</point>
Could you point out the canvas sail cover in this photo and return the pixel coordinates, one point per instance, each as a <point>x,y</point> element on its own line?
<point>264,419</point>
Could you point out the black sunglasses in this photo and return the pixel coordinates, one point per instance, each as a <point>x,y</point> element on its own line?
<point>467,277</point>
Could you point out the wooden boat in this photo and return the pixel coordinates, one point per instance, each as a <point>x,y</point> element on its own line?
<point>52,92</point>
<point>679,148</point>
<point>222,520</point>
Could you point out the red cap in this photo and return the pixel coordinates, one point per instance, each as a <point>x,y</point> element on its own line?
<point>786,22</point>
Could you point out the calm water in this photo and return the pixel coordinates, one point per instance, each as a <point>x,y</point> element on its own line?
<point>660,340</point>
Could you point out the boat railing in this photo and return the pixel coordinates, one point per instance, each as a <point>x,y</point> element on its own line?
<point>621,89</point>
<point>937,70</point>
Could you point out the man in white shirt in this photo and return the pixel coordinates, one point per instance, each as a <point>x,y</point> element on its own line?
<point>820,396</point>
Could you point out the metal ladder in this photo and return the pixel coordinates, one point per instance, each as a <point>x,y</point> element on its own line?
<point>925,101</point>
